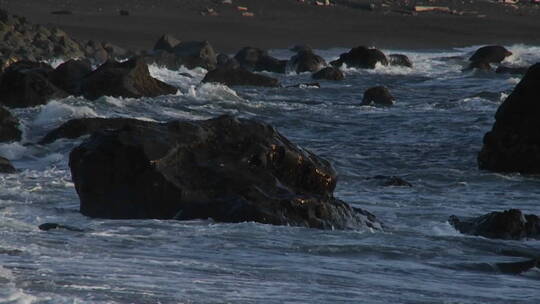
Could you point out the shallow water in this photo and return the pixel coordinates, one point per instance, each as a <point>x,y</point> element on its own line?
<point>430,138</point>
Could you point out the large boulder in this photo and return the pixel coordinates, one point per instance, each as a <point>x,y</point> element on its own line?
<point>196,54</point>
<point>378,96</point>
<point>9,130</point>
<point>238,76</point>
<point>166,42</point>
<point>513,144</point>
<point>227,169</point>
<point>69,74</point>
<point>361,57</point>
<point>78,127</point>
<point>306,61</point>
<point>329,73</point>
<point>255,59</point>
<point>509,225</point>
<point>124,79</point>
<point>26,84</point>
<point>490,54</point>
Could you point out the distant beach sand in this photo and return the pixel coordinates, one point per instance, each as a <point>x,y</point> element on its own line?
<point>283,23</point>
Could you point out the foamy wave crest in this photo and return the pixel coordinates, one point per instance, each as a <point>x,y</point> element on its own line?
<point>182,78</point>
<point>56,112</point>
<point>13,151</point>
<point>523,55</point>
<point>212,92</point>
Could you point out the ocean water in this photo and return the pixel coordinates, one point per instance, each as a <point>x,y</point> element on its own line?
<point>430,138</point>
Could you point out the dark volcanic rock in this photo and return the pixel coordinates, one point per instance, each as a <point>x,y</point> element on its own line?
<point>378,96</point>
<point>511,70</point>
<point>509,225</point>
<point>51,226</point>
<point>239,76</point>
<point>83,126</point>
<point>513,144</point>
<point>26,84</point>
<point>329,73</point>
<point>6,166</point>
<point>227,169</point>
<point>126,79</point>
<point>9,130</point>
<point>361,57</point>
<point>166,43</point>
<point>255,59</point>
<point>400,60</point>
<point>518,267</point>
<point>196,54</point>
<point>490,54</point>
<point>306,61</point>
<point>69,74</point>
<point>391,181</point>
<point>479,66</point>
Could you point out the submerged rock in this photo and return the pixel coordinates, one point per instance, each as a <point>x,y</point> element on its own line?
<point>26,84</point>
<point>511,70</point>
<point>391,181</point>
<point>238,76</point>
<point>518,267</point>
<point>329,73</point>
<point>306,61</point>
<point>509,225</point>
<point>6,166</point>
<point>400,60</point>
<point>255,59</point>
<point>361,57</point>
<point>124,79</point>
<point>227,169</point>
<point>378,96</point>
<point>51,226</point>
<point>513,144</point>
<point>9,126</point>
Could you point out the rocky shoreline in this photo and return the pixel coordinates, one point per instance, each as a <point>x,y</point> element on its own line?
<point>227,169</point>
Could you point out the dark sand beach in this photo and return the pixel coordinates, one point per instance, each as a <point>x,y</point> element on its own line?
<point>282,23</point>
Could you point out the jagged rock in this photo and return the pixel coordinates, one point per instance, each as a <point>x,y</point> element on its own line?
<point>490,54</point>
<point>75,128</point>
<point>511,70</point>
<point>511,224</point>
<point>9,130</point>
<point>114,51</point>
<point>361,57</point>
<point>196,54</point>
<point>400,60</point>
<point>238,76</point>
<point>329,73</point>
<point>306,61</point>
<point>255,59</point>
<point>378,96</point>
<point>126,79</point>
<point>227,169</point>
<point>69,74</point>
<point>166,42</point>
<point>6,166</point>
<point>513,144</point>
<point>26,84</point>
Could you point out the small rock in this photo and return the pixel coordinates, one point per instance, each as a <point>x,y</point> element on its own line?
<point>329,73</point>
<point>6,166</point>
<point>378,96</point>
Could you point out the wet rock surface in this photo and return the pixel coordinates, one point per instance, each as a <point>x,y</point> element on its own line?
<point>329,73</point>
<point>361,57</point>
<point>509,225</point>
<point>378,96</point>
<point>227,169</point>
<point>513,144</point>
<point>9,126</point>
<point>6,166</point>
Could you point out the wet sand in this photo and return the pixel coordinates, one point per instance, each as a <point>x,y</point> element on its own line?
<point>283,23</point>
